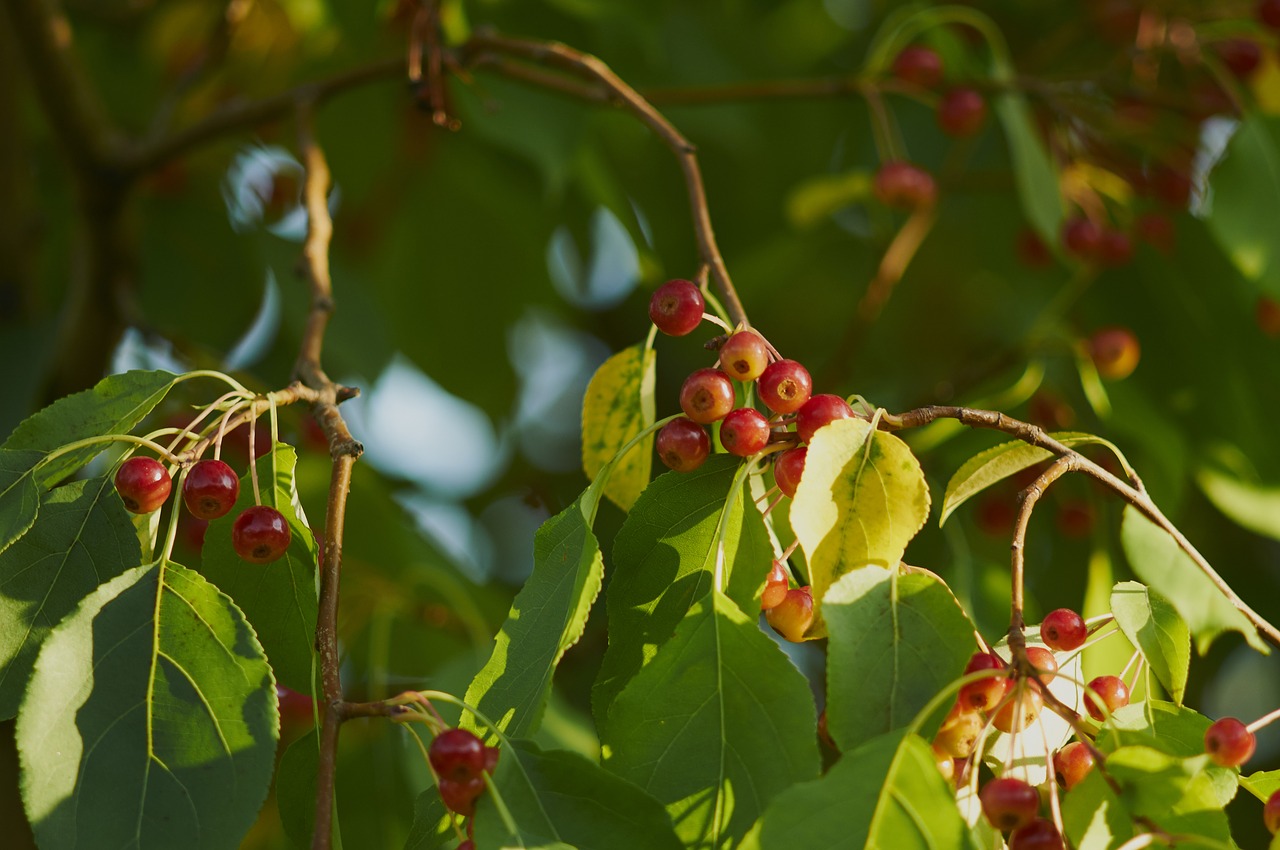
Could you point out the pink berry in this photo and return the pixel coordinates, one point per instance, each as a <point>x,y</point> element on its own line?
<point>791,617</point>
<point>1082,238</point>
<point>1009,803</point>
<point>903,186</point>
<point>1044,663</point>
<point>1111,691</point>
<point>962,112</point>
<point>775,587</point>
<point>744,356</point>
<point>983,693</point>
<point>1072,764</point>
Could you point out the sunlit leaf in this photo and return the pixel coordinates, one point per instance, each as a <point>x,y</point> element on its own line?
<point>1251,506</point>
<point>1152,624</point>
<point>19,495</point>
<point>150,721</point>
<point>1262,784</point>
<point>618,406</point>
<point>1169,728</point>
<point>690,727</point>
<point>82,538</point>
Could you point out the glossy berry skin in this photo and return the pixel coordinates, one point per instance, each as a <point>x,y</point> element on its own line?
<point>744,432</point>
<point>903,186</point>
<point>775,587</point>
<point>460,796</point>
<point>1072,763</point>
<point>744,356</point>
<point>1113,693</point>
<point>1082,238</point>
<point>791,617</point>
<point>1115,352</point>
<point>260,534</point>
<point>456,755</point>
<point>1040,834</point>
<point>984,693</point>
<point>1271,813</point>
<point>1020,709</point>
<point>962,112</point>
<point>1063,630</point>
<point>143,484</point>
<point>785,386</point>
<point>919,66</point>
<point>1044,662</point>
<point>706,396</point>
<point>946,764</point>
<point>818,411</point>
<point>1229,742</point>
<point>788,468</point>
<point>677,307</point>
<point>210,489</point>
<point>683,444</point>
<point>1009,803</point>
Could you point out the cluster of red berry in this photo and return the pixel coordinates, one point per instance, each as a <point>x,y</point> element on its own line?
<point>260,534</point>
<point>460,762</point>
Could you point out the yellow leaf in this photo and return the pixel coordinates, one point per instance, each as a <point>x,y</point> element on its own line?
<point>618,406</point>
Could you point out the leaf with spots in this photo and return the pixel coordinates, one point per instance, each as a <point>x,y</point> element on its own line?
<point>618,406</point>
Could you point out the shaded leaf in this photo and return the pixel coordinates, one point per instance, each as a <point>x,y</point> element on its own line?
<point>19,496</point>
<point>1157,559</point>
<point>716,725</point>
<point>1244,188</point>
<point>83,537</point>
<point>618,406</point>
<point>896,642</point>
<point>156,655</point>
<point>664,559</point>
<point>296,790</point>
<point>1154,627</point>
<point>886,793</point>
<point>280,599</point>
<point>1250,506</point>
<point>560,797</point>
<point>1033,171</point>
<point>430,830</point>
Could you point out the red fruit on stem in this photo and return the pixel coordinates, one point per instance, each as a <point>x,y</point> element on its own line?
<point>1020,708</point>
<point>1040,834</point>
<point>260,534</point>
<point>1072,763</point>
<point>1229,742</point>
<point>683,444</point>
<point>1009,803</point>
<point>903,186</point>
<point>788,468</point>
<point>491,755</point>
<point>1082,238</point>
<point>775,587</point>
<point>785,386</point>
<point>706,396</point>
<point>1111,691</point>
<point>210,489</point>
<point>919,66</point>
<point>962,112</point>
<point>1032,251</point>
<point>818,411</point>
<point>744,432</point>
<point>744,355</point>
<point>1271,813</point>
<point>460,796</point>
<point>983,693</point>
<point>143,484</point>
<point>946,764</point>
<point>456,755</point>
<point>1063,630</point>
<point>1242,56</point>
<point>793,615</point>
<point>1044,663</point>
<point>677,307</point>
<point>1115,352</point>
<point>959,734</point>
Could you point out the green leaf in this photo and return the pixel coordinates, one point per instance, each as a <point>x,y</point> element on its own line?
<point>1262,784</point>
<point>715,726</point>
<point>887,793</point>
<point>1156,559</point>
<point>820,196</point>
<point>19,496</point>
<point>151,719</point>
<point>546,618</point>
<point>618,406</point>
<point>561,797</point>
<point>999,462</point>
<point>896,642</point>
<point>1152,624</point>
<point>431,830</point>
<point>1173,729</point>
<point>83,537</point>
<point>113,406</point>
<point>296,791</point>
<point>664,559</point>
<point>1093,818</point>
<point>1033,170</point>
<point>1244,188</point>
<point>1250,506</point>
<point>862,499</point>
<point>280,599</point>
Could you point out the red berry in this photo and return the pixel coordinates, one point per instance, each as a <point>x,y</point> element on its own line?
<point>792,616</point>
<point>1115,352</point>
<point>260,534</point>
<point>210,489</point>
<point>707,395</point>
<point>143,484</point>
<point>1040,834</point>
<point>1032,251</point>
<point>784,386</point>
<point>460,796</point>
<point>962,112</point>
<point>456,755</point>
<point>744,431</point>
<point>744,356</point>
<point>1043,662</point>
<point>1063,630</point>
<point>903,186</point>
<point>1267,315</point>
<point>1020,708</point>
<point>818,411</point>
<point>491,755</point>
<point>1082,238</point>
<point>1157,230</point>
<point>683,444</point>
<point>1271,813</point>
<point>788,468</point>
<point>1242,56</point>
<point>919,66</point>
<point>1009,803</point>
<point>984,693</point>
<point>677,307</point>
<point>1113,693</point>
<point>1116,249</point>
<point>775,587</point>
<point>1269,13</point>
<point>1072,763</point>
<point>1229,742</point>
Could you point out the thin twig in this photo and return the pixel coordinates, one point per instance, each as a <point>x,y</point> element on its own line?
<point>1027,500</point>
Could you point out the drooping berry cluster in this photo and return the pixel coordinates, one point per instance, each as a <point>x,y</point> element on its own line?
<point>460,762</point>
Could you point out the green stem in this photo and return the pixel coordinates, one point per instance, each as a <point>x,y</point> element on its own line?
<point>109,438</point>
<point>213,373</point>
